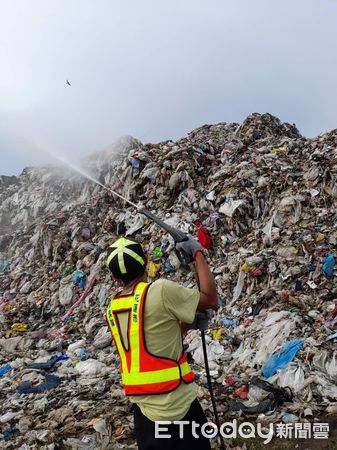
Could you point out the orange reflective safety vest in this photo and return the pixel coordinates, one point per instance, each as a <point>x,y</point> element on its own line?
<point>143,373</point>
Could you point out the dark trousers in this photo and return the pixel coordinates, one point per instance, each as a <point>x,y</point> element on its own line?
<point>145,432</point>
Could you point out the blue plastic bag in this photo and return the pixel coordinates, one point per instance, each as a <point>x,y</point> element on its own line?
<point>48,364</point>
<point>9,432</point>
<point>229,322</point>
<point>135,163</point>
<point>328,265</point>
<point>62,357</point>
<point>5,369</point>
<point>281,358</point>
<point>332,336</point>
<point>168,268</point>
<point>83,354</point>
<point>79,278</point>
<point>51,382</point>
<point>309,267</point>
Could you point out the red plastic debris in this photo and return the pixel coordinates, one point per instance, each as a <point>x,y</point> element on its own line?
<point>256,273</point>
<point>285,295</point>
<point>204,237</point>
<point>247,322</point>
<point>241,392</point>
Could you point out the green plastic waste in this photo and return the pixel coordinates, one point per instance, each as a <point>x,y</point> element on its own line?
<point>157,251</point>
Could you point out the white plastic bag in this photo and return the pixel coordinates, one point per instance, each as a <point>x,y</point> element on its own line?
<point>91,367</point>
<point>230,206</point>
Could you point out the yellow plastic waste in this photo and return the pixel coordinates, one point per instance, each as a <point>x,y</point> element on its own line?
<point>282,149</point>
<point>320,237</point>
<point>226,190</point>
<point>278,150</point>
<point>153,269</point>
<point>17,327</point>
<point>247,267</point>
<point>217,334</point>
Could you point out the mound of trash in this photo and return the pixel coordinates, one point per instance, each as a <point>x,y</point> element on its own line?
<point>262,201</point>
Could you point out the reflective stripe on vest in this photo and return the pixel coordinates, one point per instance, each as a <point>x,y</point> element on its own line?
<point>143,373</point>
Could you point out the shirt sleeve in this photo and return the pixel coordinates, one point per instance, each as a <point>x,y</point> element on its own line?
<point>180,303</point>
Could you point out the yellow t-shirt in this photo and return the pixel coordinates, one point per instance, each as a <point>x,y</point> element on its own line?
<point>167,303</point>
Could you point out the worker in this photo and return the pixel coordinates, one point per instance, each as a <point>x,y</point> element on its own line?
<point>145,322</point>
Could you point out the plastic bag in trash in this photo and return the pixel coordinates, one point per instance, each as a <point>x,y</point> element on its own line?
<point>50,383</point>
<point>229,322</point>
<point>91,367</point>
<point>328,265</point>
<point>281,358</point>
<point>204,237</point>
<point>229,207</point>
<point>5,369</point>
<point>83,354</point>
<point>273,397</point>
<point>79,278</point>
<point>292,377</point>
<point>50,363</point>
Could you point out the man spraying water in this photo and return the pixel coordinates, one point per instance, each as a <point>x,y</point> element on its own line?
<point>183,309</point>
<point>145,323</point>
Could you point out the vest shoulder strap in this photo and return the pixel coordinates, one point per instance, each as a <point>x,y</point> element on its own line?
<point>121,303</point>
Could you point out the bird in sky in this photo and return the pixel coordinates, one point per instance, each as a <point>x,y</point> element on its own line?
<point>68,83</point>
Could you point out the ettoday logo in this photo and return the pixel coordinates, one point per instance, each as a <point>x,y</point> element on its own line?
<point>245,430</point>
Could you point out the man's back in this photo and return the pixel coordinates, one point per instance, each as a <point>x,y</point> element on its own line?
<point>166,304</point>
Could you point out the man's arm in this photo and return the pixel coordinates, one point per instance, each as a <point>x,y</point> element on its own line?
<point>207,288</point>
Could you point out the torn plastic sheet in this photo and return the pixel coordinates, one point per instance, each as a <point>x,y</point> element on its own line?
<point>136,225</point>
<point>81,299</point>
<point>269,397</point>
<point>230,206</point>
<point>271,331</point>
<point>292,377</point>
<point>326,364</point>
<point>239,287</point>
<point>267,229</point>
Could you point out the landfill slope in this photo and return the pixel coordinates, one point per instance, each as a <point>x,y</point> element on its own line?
<point>260,197</point>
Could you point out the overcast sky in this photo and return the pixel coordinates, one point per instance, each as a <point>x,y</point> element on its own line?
<point>157,69</point>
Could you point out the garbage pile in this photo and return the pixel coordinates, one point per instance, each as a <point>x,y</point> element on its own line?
<point>262,201</point>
